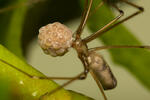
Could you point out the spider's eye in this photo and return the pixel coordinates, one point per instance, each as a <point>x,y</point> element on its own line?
<point>55,39</point>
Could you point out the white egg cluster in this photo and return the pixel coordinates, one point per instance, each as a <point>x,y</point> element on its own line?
<point>55,39</point>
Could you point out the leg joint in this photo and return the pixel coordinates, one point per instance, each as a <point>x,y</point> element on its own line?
<point>121,12</point>
<point>82,77</point>
<point>141,9</point>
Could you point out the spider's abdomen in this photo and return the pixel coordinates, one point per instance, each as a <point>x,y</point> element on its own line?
<point>55,39</point>
<point>102,71</point>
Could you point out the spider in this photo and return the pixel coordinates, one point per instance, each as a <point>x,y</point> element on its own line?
<point>92,61</point>
<point>55,39</point>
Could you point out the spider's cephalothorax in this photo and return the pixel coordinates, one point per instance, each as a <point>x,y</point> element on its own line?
<point>80,47</point>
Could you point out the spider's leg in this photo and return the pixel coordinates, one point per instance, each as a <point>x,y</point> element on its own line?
<point>11,7</point>
<point>110,47</point>
<point>21,4</point>
<point>84,18</point>
<point>118,46</point>
<point>100,31</point>
<point>96,8</point>
<point>99,84</point>
<point>140,10</point>
<point>36,77</point>
<point>78,77</point>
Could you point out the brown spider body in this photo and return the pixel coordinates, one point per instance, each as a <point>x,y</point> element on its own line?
<point>102,70</point>
<point>94,62</point>
<point>49,35</point>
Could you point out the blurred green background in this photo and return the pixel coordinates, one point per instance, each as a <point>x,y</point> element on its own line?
<point>129,88</point>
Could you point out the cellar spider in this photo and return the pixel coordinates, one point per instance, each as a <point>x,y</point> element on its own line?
<point>56,38</point>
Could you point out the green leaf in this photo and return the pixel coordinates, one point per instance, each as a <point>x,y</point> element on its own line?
<point>135,61</point>
<point>4,90</point>
<point>31,89</point>
<point>11,27</point>
<point>78,96</point>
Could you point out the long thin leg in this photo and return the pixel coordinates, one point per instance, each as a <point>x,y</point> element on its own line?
<point>78,77</point>
<point>96,8</point>
<point>99,84</point>
<point>101,32</point>
<point>36,77</point>
<point>84,18</point>
<point>116,46</point>
<point>86,70</point>
<point>96,34</point>
<point>11,7</point>
<point>2,10</point>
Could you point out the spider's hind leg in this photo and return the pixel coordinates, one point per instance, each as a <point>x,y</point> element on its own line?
<point>80,76</point>
<point>84,18</point>
<point>119,46</point>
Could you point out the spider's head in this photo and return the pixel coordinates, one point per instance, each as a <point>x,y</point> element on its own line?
<point>55,39</point>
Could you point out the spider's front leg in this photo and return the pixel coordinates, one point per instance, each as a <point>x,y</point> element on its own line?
<point>112,24</point>
<point>100,31</point>
<point>119,46</point>
<point>84,18</point>
<point>80,76</point>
